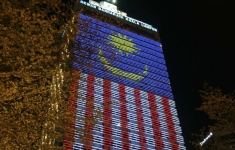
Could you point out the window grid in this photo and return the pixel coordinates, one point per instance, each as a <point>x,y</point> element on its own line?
<point>140,120</point>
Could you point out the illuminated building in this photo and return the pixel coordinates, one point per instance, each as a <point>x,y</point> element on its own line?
<point>128,66</point>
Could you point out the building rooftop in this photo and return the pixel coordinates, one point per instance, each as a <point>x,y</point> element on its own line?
<point>127,22</point>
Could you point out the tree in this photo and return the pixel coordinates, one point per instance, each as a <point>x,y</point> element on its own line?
<point>219,107</point>
<point>38,86</point>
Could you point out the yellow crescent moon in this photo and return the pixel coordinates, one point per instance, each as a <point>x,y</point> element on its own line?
<point>119,72</point>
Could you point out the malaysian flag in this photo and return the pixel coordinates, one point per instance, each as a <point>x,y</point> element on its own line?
<point>121,56</point>
<point>140,120</point>
<point>144,116</point>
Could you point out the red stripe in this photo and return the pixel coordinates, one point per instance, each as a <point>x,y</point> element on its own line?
<point>155,122</point>
<point>170,124</point>
<point>72,107</point>
<point>140,119</point>
<point>107,116</point>
<point>89,113</point>
<point>124,121</point>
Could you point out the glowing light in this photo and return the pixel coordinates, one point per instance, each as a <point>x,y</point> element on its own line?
<point>206,138</point>
<point>113,11</point>
<point>137,81</point>
<point>123,45</point>
<point>139,59</point>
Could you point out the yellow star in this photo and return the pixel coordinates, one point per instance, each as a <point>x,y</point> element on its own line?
<point>122,44</point>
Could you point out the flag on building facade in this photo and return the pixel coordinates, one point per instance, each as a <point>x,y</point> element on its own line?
<point>140,120</point>
<point>124,67</point>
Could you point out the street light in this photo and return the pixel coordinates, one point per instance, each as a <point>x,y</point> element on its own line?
<point>206,138</point>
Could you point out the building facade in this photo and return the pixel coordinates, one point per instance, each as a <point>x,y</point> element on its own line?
<point>128,68</point>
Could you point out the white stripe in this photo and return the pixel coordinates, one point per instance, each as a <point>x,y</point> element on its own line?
<point>98,139</point>
<point>180,139</point>
<point>182,147</point>
<point>77,146</point>
<point>163,123</point>
<point>171,103</point>
<point>81,105</point>
<point>167,145</point>
<point>173,111</point>
<point>132,116</point>
<point>147,119</point>
<point>178,129</point>
<point>117,144</point>
<point>116,122</point>
<point>175,120</point>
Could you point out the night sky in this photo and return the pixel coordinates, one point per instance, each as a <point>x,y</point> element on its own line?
<point>198,38</point>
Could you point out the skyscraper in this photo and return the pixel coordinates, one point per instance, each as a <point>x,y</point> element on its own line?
<point>128,67</point>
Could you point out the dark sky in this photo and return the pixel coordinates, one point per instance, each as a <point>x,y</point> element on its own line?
<point>198,38</point>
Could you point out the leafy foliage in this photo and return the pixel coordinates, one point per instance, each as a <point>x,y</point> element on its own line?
<point>220,107</point>
<point>38,86</point>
